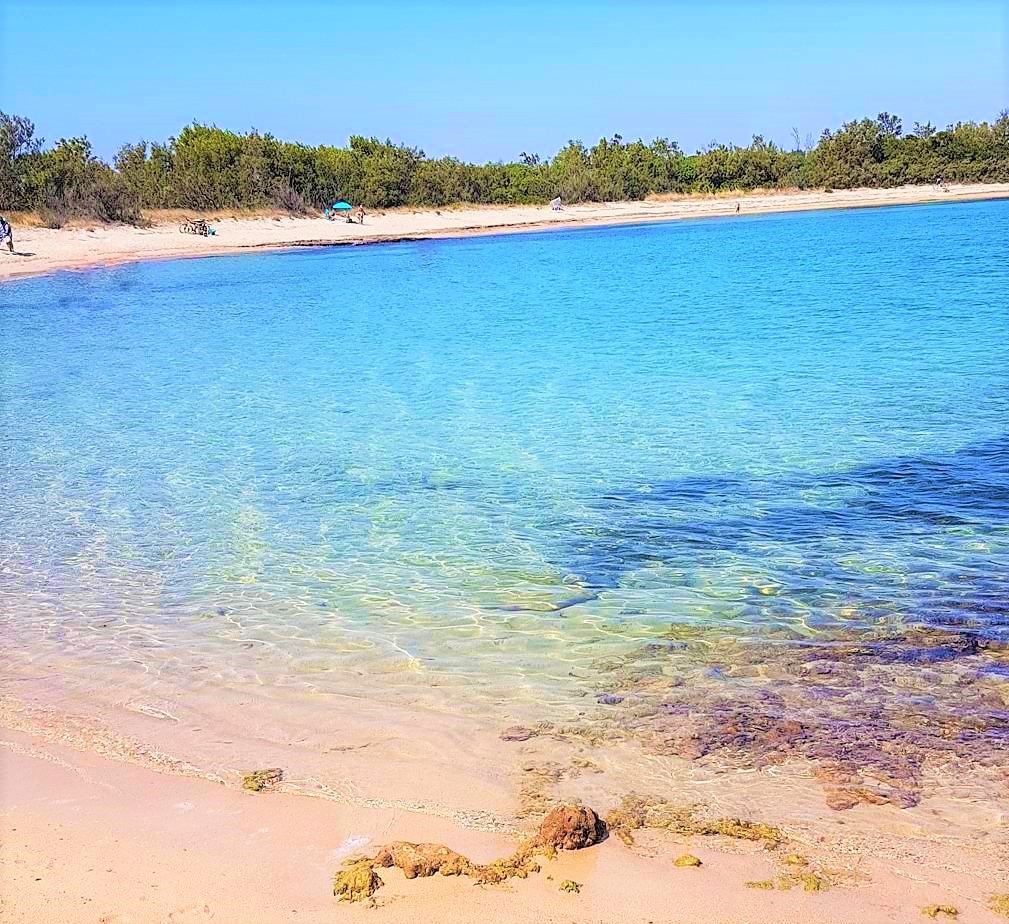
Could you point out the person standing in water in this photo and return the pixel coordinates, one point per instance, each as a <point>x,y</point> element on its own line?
<point>6,234</point>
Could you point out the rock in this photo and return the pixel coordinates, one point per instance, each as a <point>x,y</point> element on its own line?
<point>569,885</point>
<point>570,827</point>
<point>518,733</point>
<point>609,699</point>
<point>421,860</point>
<point>688,859</point>
<point>933,911</point>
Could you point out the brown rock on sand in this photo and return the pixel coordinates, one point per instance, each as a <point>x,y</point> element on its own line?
<point>420,860</point>
<point>571,827</point>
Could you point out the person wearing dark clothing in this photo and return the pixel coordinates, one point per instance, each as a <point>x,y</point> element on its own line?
<point>6,234</point>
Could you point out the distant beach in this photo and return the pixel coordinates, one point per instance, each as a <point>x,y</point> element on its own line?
<point>44,250</point>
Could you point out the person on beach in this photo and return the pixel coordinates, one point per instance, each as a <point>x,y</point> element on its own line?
<point>737,208</point>
<point>6,234</point>
<point>360,215</point>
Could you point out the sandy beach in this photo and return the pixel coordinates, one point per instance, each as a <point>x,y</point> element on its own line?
<point>42,250</point>
<point>142,824</point>
<point>86,840</point>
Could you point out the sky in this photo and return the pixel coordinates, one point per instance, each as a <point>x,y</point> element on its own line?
<point>485,81</point>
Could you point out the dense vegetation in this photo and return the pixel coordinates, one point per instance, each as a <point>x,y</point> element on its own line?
<point>208,168</point>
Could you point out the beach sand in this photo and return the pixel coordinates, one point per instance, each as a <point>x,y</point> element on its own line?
<point>95,829</point>
<point>42,250</point>
<point>87,841</point>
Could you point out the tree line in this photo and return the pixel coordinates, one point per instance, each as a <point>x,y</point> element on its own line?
<point>207,168</point>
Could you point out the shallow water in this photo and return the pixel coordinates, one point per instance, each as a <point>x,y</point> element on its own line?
<point>746,481</point>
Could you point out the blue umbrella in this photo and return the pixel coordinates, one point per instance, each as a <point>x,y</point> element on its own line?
<point>342,206</point>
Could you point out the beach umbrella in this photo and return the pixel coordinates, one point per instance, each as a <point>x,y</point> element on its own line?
<point>342,206</point>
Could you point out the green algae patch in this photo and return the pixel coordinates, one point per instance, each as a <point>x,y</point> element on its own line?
<point>999,904</point>
<point>794,859</point>
<point>742,830</point>
<point>569,827</point>
<point>635,813</point>
<point>933,911</point>
<point>569,885</point>
<point>810,882</point>
<point>766,884</point>
<point>357,883</point>
<point>813,883</point>
<point>686,860</point>
<point>260,780</point>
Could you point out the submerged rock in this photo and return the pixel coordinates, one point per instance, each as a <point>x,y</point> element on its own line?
<point>635,813</point>
<point>518,733</point>
<point>569,885</point>
<point>933,911</point>
<point>686,860</point>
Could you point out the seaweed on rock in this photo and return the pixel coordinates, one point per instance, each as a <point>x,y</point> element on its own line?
<point>261,780</point>
<point>569,827</point>
<point>635,813</point>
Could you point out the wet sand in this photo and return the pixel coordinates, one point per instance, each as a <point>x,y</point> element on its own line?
<point>129,838</point>
<point>42,250</point>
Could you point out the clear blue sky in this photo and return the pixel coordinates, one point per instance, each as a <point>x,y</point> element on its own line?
<point>485,80</point>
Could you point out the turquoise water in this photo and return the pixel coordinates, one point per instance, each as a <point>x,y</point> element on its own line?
<point>749,466</point>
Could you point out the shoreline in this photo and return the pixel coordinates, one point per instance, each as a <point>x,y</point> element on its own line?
<point>144,832</point>
<point>126,843</point>
<point>40,251</point>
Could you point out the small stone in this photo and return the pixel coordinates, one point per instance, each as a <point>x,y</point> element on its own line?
<point>609,699</point>
<point>688,859</point>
